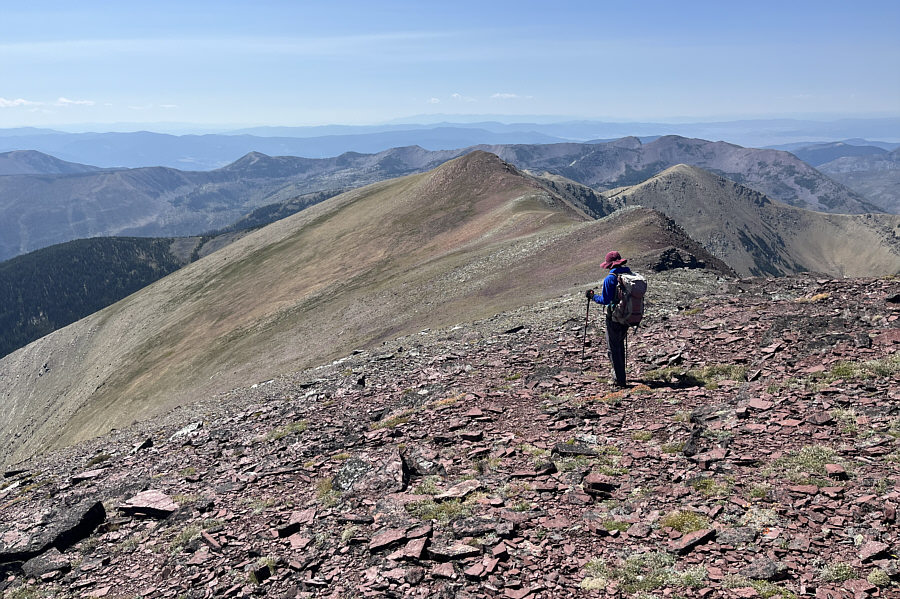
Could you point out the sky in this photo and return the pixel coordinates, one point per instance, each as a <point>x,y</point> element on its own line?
<point>291,63</point>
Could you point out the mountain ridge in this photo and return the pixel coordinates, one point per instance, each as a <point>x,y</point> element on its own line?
<point>463,241</point>
<point>757,236</point>
<point>36,211</point>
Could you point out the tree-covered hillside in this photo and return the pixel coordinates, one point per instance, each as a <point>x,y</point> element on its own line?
<point>47,289</point>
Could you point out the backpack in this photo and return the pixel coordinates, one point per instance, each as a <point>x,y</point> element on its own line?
<point>628,308</point>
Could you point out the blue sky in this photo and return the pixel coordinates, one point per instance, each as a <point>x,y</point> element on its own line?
<point>362,62</point>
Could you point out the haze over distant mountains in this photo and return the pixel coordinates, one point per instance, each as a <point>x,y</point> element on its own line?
<point>217,149</point>
<point>41,210</point>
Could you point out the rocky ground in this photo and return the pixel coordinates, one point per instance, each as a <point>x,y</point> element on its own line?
<point>755,454</point>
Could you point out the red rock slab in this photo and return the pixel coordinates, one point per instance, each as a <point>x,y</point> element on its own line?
<point>210,541</point>
<point>872,549</point>
<point>152,503</point>
<point>596,483</point>
<point>451,552</point>
<point>759,404</point>
<point>475,570</point>
<point>303,517</point>
<point>860,586</point>
<point>299,542</point>
<point>415,548</point>
<point>443,571</point>
<point>459,491</point>
<point>688,542</point>
<point>836,471</point>
<point>385,539</point>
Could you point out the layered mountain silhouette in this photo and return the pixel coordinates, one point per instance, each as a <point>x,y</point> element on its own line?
<point>757,236</point>
<point>41,210</point>
<point>31,162</point>
<point>777,174</point>
<point>876,176</point>
<point>459,243</point>
<point>818,154</point>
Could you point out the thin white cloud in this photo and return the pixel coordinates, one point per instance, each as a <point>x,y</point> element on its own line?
<point>5,103</point>
<point>462,98</point>
<point>168,106</point>
<point>67,102</point>
<point>434,101</point>
<point>504,96</point>
<point>61,101</point>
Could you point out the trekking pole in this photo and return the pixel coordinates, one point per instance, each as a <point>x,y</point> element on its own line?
<point>584,341</point>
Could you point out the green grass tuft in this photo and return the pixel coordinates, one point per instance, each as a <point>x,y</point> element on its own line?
<point>837,572</point>
<point>642,572</point>
<point>288,429</point>
<point>441,512</point>
<point>806,465</point>
<point>685,521</point>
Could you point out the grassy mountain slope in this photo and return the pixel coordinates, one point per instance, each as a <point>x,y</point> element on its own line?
<point>462,242</point>
<point>757,236</point>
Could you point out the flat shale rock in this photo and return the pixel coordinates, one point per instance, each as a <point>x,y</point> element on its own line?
<point>445,552</point>
<point>152,504</point>
<point>688,542</point>
<point>872,549</point>
<point>600,484</point>
<point>459,491</point>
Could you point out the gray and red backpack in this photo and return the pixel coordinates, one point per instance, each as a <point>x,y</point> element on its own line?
<point>628,308</point>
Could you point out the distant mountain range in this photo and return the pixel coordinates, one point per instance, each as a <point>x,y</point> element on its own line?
<point>137,148</point>
<point>41,210</point>
<point>206,152</point>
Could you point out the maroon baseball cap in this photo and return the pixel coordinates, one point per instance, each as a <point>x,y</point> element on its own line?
<point>613,259</point>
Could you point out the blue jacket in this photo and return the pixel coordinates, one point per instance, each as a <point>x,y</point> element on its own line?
<point>608,293</point>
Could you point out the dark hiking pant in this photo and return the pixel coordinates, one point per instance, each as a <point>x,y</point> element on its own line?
<point>615,348</point>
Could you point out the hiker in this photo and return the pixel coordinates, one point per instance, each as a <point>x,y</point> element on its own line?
<point>615,332</point>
